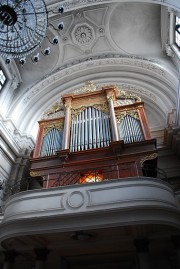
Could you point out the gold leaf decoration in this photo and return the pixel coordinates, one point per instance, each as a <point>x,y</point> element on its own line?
<point>121,115</point>
<point>148,157</point>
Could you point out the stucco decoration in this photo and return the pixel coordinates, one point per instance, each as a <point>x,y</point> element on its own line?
<point>88,87</point>
<point>86,64</point>
<point>137,89</point>
<point>83,34</point>
<point>75,199</point>
<point>55,111</point>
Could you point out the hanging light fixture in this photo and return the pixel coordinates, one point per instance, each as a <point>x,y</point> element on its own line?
<point>23,26</point>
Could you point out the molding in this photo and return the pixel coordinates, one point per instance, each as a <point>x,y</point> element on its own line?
<point>102,60</point>
<point>13,81</point>
<point>103,204</point>
<point>71,4</point>
<point>16,141</point>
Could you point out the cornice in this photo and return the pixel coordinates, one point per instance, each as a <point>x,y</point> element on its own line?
<point>70,5</point>
<point>17,142</point>
<point>94,62</point>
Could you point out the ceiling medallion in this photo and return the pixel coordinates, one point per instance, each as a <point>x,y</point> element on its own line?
<point>83,34</point>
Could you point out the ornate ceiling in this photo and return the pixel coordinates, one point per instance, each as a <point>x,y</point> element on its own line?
<point>107,42</point>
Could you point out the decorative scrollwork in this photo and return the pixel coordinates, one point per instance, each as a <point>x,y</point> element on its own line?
<point>35,174</point>
<point>57,125</point>
<point>75,112</point>
<point>88,87</point>
<point>123,95</point>
<point>148,157</point>
<point>103,107</point>
<point>121,115</point>
<point>55,111</point>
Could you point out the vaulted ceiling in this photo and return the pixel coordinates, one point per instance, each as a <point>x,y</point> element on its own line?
<point>120,43</point>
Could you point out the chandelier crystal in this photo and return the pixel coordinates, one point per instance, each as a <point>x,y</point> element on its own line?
<point>23,25</point>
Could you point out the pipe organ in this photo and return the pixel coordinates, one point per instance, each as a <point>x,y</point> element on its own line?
<point>93,127</point>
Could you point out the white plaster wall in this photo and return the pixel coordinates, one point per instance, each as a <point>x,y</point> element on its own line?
<point>116,202</point>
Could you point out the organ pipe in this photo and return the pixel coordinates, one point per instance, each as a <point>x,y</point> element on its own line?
<point>90,129</point>
<point>130,130</point>
<point>52,141</point>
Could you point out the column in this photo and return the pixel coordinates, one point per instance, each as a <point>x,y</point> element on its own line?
<point>66,137</point>
<point>9,259</point>
<point>142,252</point>
<point>113,122</point>
<point>41,257</point>
<point>176,242</point>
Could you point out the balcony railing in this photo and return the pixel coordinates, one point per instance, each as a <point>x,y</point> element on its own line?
<point>83,176</point>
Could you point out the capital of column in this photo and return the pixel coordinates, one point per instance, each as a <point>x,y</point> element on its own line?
<point>142,245</point>
<point>67,102</point>
<point>110,93</point>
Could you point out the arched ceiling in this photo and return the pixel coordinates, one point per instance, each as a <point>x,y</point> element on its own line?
<point>109,42</point>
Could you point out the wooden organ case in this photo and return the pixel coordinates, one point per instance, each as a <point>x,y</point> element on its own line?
<point>93,135</point>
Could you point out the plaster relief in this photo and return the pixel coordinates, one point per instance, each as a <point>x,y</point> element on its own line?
<point>83,34</point>
<point>75,199</point>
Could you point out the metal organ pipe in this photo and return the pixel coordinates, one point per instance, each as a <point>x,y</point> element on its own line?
<point>72,136</point>
<point>86,130</point>
<point>76,134</point>
<point>52,141</point>
<point>130,130</point>
<point>79,132</point>
<point>97,125</point>
<point>90,129</point>
<point>94,128</point>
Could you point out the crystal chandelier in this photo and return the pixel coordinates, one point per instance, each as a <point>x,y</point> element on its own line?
<point>23,26</point>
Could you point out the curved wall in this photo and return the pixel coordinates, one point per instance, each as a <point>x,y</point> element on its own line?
<point>111,203</point>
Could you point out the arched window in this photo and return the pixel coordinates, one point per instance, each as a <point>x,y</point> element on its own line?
<point>52,142</point>
<point>130,129</point>
<point>2,79</point>
<point>90,129</point>
<point>177,31</point>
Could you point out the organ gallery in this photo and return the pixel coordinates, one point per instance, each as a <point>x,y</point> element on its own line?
<point>94,133</point>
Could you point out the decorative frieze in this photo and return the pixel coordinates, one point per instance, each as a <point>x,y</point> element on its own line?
<point>82,64</point>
